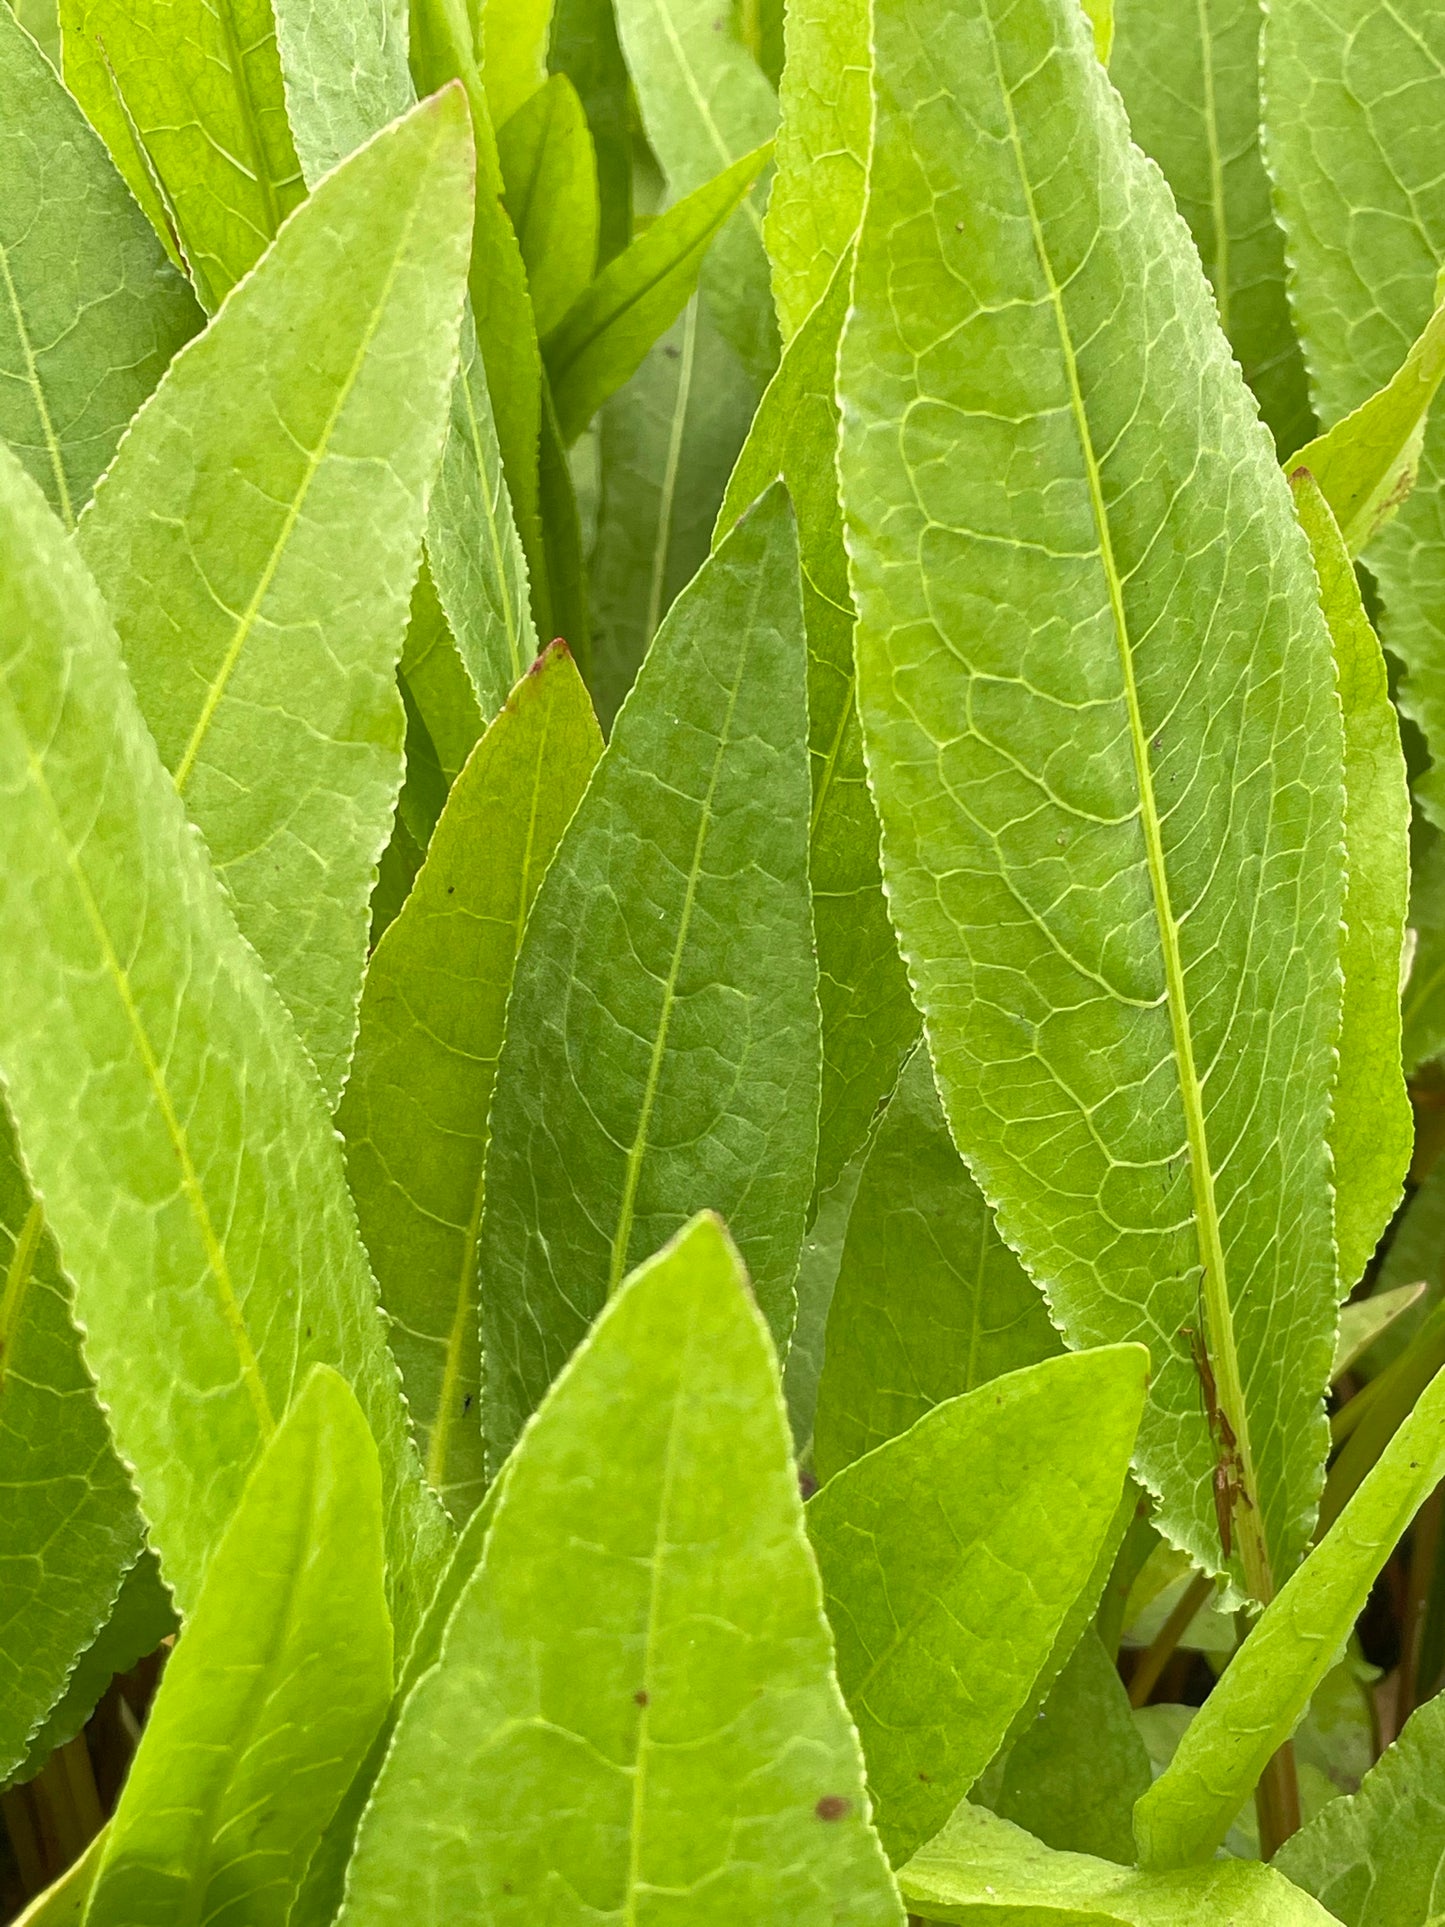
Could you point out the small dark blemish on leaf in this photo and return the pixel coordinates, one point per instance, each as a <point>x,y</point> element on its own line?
<point>832,1806</point>
<point>642,1697</point>
<point>451,889</point>
<point>927,1778</point>
<point>807,1484</point>
<point>467,1403</point>
<point>1158,742</point>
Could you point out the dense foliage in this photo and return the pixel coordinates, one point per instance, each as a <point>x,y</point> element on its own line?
<point>769,1263</point>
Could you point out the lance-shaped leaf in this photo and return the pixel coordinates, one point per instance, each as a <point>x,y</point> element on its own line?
<point>436,683</point>
<point>1377,1858</point>
<point>190,101</point>
<point>868,1016</point>
<point>92,309</point>
<point>344,66</point>
<point>1354,91</point>
<point>602,339</point>
<point>173,1128</point>
<point>1365,1321</point>
<point>584,47</point>
<point>1372,1126</point>
<point>701,1758</point>
<point>512,44</point>
<point>271,1698</point>
<point>1269,1683</point>
<point>414,1115</point>
<point>930,1302</point>
<point>980,1869</point>
<point>257,539</point>
<point>666,444</point>
<point>922,1545</point>
<point>550,173</point>
<point>1190,80</point>
<point>661,1054</point>
<point>1104,742</point>
<point>69,1528</point>
<point>818,1264</point>
<point>705,104</point>
<point>816,201</point>
<point>1367,464</point>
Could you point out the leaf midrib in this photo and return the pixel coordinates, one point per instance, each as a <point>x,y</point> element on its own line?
<point>700,103</point>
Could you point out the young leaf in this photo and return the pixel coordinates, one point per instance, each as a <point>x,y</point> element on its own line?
<point>584,47</point>
<point>256,540</point>
<point>1377,1859</point>
<point>822,152</point>
<point>69,1528</point>
<point>435,678</point>
<point>93,308</point>
<point>1372,1125</point>
<point>700,1761</point>
<point>920,1545</point>
<point>273,1693</point>
<point>666,445</point>
<point>1190,80</point>
<point>705,105</point>
<point>930,1302</point>
<point>512,47</point>
<point>414,1114</point>
<point>1269,1682</point>
<point>1367,464</point>
<point>344,66</point>
<point>1105,746</point>
<point>868,1017</point>
<point>173,1128</point>
<point>1363,1323</point>
<point>661,1051</point>
<point>550,173</point>
<point>981,1869</point>
<point>604,335</point>
<point>1353,91</point>
<point>190,102</point>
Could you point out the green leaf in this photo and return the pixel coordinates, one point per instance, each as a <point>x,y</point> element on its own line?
<point>512,46</point>
<point>1365,1321</point>
<point>868,1017</point>
<point>169,1119</point>
<point>700,1763</point>
<point>1422,1001</point>
<point>923,1544</point>
<point>69,1528</point>
<point>1372,1125</point>
<point>705,105</point>
<point>822,152</point>
<point>1353,91</point>
<point>601,341</point>
<point>91,309</point>
<point>345,72</point>
<point>1105,745</point>
<point>63,1903</point>
<point>1269,1682</point>
<point>562,530</point>
<point>818,1264</point>
<point>667,443</point>
<point>1190,80</point>
<point>1101,19</point>
<point>1367,464</point>
<point>661,1052</point>
<point>1417,1251</point>
<point>256,540</point>
<point>930,1301</point>
<point>41,20</point>
<point>190,102</point>
<point>273,1693</point>
<point>985,1873</point>
<point>585,48</point>
<point>1075,1772</point>
<point>1377,1859</point>
<point>550,173</point>
<point>436,678</point>
<point>414,1114</point>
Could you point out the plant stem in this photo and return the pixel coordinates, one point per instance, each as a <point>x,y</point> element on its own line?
<point>1276,1802</point>
<point>1158,1653</point>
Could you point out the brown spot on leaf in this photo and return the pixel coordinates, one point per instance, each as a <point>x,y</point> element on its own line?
<point>832,1806</point>
<point>641,1697</point>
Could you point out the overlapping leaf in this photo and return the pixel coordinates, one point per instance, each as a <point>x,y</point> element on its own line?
<point>550,172</point>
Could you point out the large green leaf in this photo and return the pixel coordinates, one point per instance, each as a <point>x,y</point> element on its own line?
<point>822,152</point>
<point>90,309</point>
<point>257,537</point>
<point>69,1527</point>
<point>661,1053</point>
<point>666,445</point>
<point>190,101</point>
<point>1372,1127</point>
<point>271,1698</point>
<point>585,48</point>
<point>1271,1679</point>
<point>550,173</point>
<point>868,1016</point>
<point>1189,75</point>
<point>343,63</point>
<point>512,44</point>
<point>922,1545</point>
<point>176,1133</point>
<point>1377,1859</point>
<point>705,104</point>
<point>930,1302</point>
<point>982,1872</point>
<point>1354,95</point>
<point>1098,704</point>
<point>414,1115</point>
<point>698,1764</point>
<point>600,342</point>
